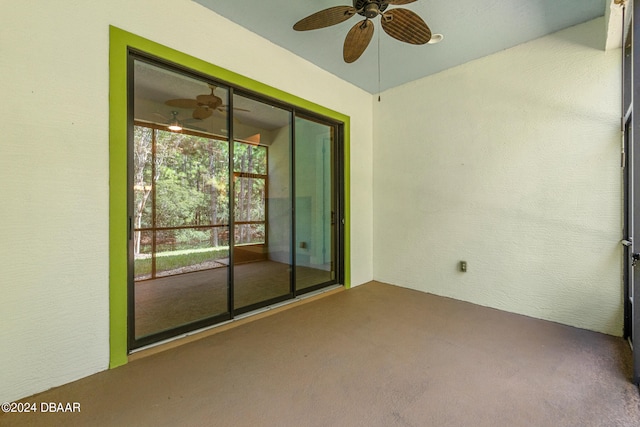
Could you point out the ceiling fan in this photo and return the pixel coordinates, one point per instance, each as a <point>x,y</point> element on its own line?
<point>203,105</point>
<point>401,24</point>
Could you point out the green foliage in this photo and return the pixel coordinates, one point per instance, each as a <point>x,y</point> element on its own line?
<point>193,238</point>
<point>190,179</point>
<point>250,191</point>
<point>178,259</point>
<point>184,181</point>
<point>250,158</point>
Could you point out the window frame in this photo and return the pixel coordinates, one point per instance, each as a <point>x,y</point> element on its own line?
<point>122,43</point>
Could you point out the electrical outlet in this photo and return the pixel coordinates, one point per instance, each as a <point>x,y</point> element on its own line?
<point>463,266</point>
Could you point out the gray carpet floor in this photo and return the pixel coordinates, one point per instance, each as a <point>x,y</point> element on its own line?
<point>375,355</point>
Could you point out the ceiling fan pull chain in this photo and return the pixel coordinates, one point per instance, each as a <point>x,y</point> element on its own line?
<point>379,66</point>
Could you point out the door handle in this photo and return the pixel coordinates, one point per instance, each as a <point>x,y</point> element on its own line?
<point>626,242</point>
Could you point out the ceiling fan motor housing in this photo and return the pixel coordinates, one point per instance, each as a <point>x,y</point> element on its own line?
<point>370,8</point>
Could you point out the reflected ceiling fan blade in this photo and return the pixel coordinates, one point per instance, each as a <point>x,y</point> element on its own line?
<point>399,2</point>
<point>325,18</point>
<point>357,40</point>
<point>406,26</point>
<point>182,103</point>
<point>210,100</point>
<point>202,113</point>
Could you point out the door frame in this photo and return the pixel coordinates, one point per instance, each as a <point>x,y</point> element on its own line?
<point>631,181</point>
<point>136,343</point>
<point>121,42</point>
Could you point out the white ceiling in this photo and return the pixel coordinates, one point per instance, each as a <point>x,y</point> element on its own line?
<point>471,28</point>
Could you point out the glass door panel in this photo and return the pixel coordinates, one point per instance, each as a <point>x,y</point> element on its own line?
<point>262,203</point>
<point>213,230</point>
<point>314,203</point>
<point>179,203</point>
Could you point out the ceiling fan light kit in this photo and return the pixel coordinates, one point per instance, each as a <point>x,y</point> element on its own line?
<point>401,24</point>
<point>175,125</point>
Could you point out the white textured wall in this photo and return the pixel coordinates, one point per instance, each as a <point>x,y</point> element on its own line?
<point>54,166</point>
<point>512,163</point>
<point>279,201</point>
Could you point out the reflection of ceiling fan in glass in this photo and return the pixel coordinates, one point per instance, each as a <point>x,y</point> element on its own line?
<point>401,24</point>
<point>176,125</point>
<point>203,106</point>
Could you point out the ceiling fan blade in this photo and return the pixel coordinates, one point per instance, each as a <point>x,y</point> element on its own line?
<point>325,18</point>
<point>201,113</point>
<point>399,2</point>
<point>357,40</point>
<point>406,26</point>
<point>182,103</point>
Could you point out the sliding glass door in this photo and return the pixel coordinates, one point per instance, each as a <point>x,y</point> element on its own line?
<point>262,204</point>
<point>234,202</point>
<point>179,246</point>
<point>315,203</point>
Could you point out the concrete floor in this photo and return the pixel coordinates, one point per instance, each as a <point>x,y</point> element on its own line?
<point>375,355</point>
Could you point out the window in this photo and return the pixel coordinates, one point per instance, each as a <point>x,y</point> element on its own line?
<point>180,208</point>
<point>250,184</point>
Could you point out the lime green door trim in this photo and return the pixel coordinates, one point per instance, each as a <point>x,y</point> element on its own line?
<point>120,42</point>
